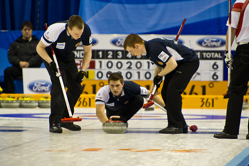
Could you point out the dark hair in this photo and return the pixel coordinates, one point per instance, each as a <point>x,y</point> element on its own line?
<point>131,40</point>
<point>27,24</point>
<point>115,77</point>
<point>75,21</point>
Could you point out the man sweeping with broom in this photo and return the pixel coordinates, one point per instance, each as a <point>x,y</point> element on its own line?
<point>64,38</point>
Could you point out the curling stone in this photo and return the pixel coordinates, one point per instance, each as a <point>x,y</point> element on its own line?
<point>44,102</point>
<point>1,90</point>
<point>245,105</point>
<point>27,102</point>
<point>114,126</point>
<point>10,102</point>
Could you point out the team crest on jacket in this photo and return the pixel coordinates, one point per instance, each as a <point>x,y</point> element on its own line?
<point>160,63</point>
<point>76,45</point>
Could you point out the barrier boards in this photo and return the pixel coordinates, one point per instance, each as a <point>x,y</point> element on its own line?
<point>193,88</point>
<point>188,102</point>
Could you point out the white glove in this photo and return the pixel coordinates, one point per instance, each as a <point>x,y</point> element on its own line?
<point>228,60</point>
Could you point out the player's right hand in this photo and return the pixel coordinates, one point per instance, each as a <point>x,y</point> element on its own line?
<point>228,60</point>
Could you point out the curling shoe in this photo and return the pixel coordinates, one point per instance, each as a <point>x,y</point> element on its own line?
<point>247,136</point>
<point>56,128</point>
<point>71,126</point>
<point>174,130</point>
<point>225,135</point>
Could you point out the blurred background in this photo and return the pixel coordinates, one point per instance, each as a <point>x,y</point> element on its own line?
<point>111,20</point>
<point>121,16</point>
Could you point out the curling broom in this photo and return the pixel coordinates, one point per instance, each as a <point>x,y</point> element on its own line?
<point>58,74</point>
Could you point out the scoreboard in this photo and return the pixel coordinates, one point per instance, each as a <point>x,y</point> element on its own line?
<point>211,66</point>
<point>141,68</point>
<point>108,55</point>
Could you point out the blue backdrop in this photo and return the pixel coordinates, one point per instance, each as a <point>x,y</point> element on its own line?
<point>206,17</point>
<point>14,12</point>
<point>155,17</point>
<point>121,16</point>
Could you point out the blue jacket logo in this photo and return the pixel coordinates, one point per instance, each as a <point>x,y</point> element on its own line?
<point>211,42</point>
<point>119,41</point>
<point>40,86</point>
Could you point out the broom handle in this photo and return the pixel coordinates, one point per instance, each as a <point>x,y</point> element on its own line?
<point>180,30</point>
<point>62,84</point>
<point>152,93</point>
<point>160,107</point>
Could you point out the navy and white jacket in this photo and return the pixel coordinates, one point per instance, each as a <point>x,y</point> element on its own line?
<point>160,50</point>
<point>130,89</point>
<point>61,40</point>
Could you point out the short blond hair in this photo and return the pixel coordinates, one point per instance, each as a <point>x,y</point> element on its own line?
<point>131,40</point>
<point>75,21</point>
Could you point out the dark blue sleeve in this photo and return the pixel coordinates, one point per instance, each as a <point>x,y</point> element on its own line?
<point>87,39</point>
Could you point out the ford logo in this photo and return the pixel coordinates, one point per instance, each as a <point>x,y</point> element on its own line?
<point>119,41</point>
<point>40,86</point>
<point>211,42</point>
<point>94,41</point>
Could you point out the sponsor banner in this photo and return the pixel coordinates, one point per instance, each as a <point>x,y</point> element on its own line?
<point>206,88</point>
<point>188,102</point>
<point>196,42</point>
<point>92,86</point>
<point>36,80</point>
<point>193,88</point>
<point>204,102</point>
<point>86,101</point>
<point>211,42</point>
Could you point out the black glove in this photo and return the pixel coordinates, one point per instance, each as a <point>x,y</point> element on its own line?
<point>52,65</point>
<point>157,81</point>
<point>228,60</point>
<point>80,76</point>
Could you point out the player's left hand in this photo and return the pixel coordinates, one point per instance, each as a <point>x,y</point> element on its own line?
<point>228,60</point>
<point>80,76</point>
<point>157,81</point>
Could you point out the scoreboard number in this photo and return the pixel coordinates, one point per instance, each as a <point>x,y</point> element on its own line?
<point>140,68</point>
<point>123,64</point>
<point>127,74</point>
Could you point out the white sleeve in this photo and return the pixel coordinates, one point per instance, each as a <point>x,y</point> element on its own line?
<point>52,33</point>
<point>235,16</point>
<point>102,95</point>
<point>143,91</point>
